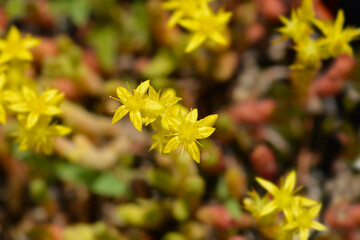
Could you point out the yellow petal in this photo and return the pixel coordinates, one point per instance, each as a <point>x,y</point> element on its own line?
<point>339,22</point>
<point>32,119</point>
<point>30,42</point>
<point>208,121</point>
<point>307,202</point>
<point>193,151</point>
<point>2,115</point>
<point>192,115</point>
<point>19,107</point>
<point>49,94</point>
<point>290,181</point>
<point>51,110</point>
<point>175,18</point>
<point>172,145</point>
<point>268,208</point>
<point>170,5</point>
<point>218,38</point>
<point>60,130</point>
<point>25,55</point>
<point>189,24</point>
<point>143,87</point>
<point>122,93</point>
<point>314,212</point>
<point>269,186</point>
<point>153,105</point>
<point>135,117</point>
<point>195,42</point>
<point>13,35</point>
<point>119,114</point>
<point>28,94</point>
<point>318,226</point>
<point>204,132</point>
<point>291,225</point>
<point>2,44</point>
<point>304,234</point>
<point>153,94</point>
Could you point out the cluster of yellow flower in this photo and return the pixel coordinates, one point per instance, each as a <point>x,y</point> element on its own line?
<point>18,95</point>
<point>173,124</point>
<point>197,17</point>
<point>310,51</point>
<point>298,213</point>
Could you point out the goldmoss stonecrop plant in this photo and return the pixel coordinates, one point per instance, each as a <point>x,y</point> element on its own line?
<point>173,125</point>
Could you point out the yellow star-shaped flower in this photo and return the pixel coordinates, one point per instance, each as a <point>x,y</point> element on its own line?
<point>133,103</point>
<point>34,105</point>
<point>302,220</point>
<point>15,47</point>
<point>182,9</point>
<point>283,197</point>
<point>337,39</point>
<point>187,130</point>
<point>40,136</point>
<point>206,25</point>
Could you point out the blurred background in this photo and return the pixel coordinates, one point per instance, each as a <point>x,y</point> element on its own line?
<point>102,183</point>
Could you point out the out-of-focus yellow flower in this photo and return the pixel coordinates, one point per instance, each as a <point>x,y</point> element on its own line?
<point>294,28</point>
<point>132,104</point>
<point>284,197</point>
<point>16,48</point>
<point>182,9</point>
<point>39,137</point>
<point>302,220</point>
<point>337,40</point>
<point>30,103</point>
<point>187,130</point>
<point>2,100</point>
<point>309,53</point>
<point>206,25</point>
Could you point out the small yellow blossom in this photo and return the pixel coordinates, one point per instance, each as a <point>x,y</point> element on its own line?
<point>206,25</point>
<point>16,48</point>
<point>337,40</point>
<point>40,136</point>
<point>132,104</point>
<point>187,130</point>
<point>284,197</point>
<point>309,53</point>
<point>160,104</point>
<point>182,9</point>
<point>30,103</point>
<point>2,100</point>
<point>302,220</point>
<point>294,28</point>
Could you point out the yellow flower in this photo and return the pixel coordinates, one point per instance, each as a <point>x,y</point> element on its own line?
<point>283,197</point>
<point>337,40</point>
<point>16,48</point>
<point>160,104</point>
<point>40,136</point>
<point>294,28</point>
<point>2,100</point>
<point>132,104</point>
<point>187,130</point>
<point>206,25</point>
<point>30,103</point>
<point>309,53</point>
<point>182,9</point>
<point>302,221</point>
